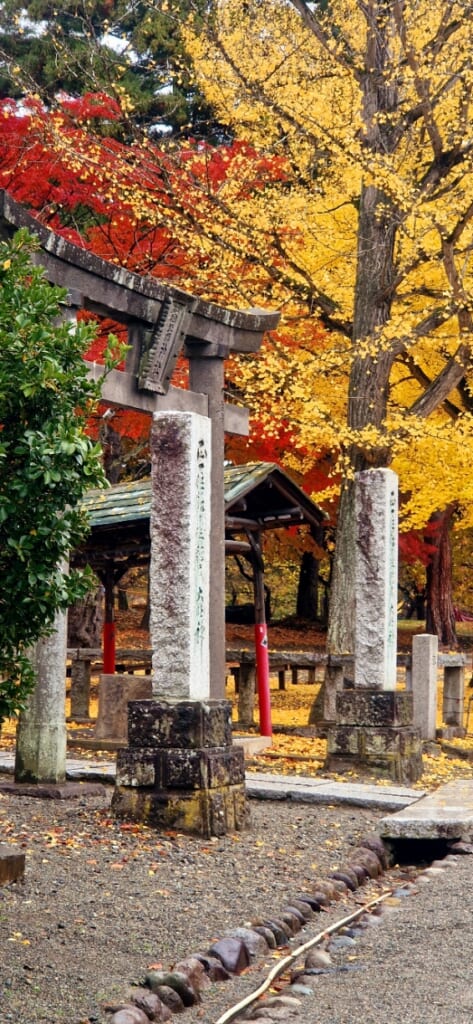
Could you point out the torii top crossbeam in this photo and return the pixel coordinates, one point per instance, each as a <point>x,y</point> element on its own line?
<point>161,321</point>
<point>112,291</point>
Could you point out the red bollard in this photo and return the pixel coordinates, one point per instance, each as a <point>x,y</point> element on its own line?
<point>262,676</point>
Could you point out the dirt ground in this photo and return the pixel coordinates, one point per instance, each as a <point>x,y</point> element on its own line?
<point>292,634</point>
<point>101,901</point>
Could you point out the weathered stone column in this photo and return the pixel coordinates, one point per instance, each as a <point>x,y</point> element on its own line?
<point>376,519</point>
<point>80,689</point>
<point>41,737</point>
<point>180,769</point>
<point>374,723</point>
<point>424,684</point>
<point>453,693</point>
<point>246,695</point>
<point>180,556</point>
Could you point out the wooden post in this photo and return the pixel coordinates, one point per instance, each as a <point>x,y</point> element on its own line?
<point>109,626</point>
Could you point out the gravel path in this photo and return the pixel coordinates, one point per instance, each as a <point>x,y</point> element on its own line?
<point>101,902</point>
<point>415,966</point>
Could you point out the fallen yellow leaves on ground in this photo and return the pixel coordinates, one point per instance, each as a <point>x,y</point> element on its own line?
<point>297,755</point>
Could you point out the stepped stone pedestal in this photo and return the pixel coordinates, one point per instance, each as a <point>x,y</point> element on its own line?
<point>180,769</point>
<point>374,730</point>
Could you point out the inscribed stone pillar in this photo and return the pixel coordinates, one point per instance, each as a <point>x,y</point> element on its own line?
<point>180,543</point>
<point>206,375</point>
<point>373,728</point>
<point>376,539</point>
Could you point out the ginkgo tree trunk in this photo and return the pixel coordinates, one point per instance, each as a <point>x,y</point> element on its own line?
<point>377,275</point>
<point>373,294</point>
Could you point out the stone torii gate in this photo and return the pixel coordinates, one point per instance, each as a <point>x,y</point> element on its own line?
<point>161,322</point>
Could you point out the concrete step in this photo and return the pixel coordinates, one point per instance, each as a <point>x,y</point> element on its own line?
<point>445,814</point>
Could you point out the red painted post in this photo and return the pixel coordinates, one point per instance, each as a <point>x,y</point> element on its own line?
<point>262,676</point>
<point>109,629</point>
<point>109,648</point>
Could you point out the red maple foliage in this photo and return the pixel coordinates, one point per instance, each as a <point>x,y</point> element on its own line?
<point>89,202</point>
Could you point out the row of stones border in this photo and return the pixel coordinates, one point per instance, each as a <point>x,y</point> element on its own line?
<point>167,992</point>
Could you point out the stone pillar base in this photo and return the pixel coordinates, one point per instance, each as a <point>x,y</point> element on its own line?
<point>181,769</point>
<point>211,812</point>
<point>374,732</point>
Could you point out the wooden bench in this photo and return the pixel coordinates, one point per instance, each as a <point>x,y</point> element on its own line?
<point>241,665</point>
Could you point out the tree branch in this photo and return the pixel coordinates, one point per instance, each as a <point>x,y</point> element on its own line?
<point>438,390</point>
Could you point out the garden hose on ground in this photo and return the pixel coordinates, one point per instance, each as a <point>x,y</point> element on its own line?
<point>279,968</point>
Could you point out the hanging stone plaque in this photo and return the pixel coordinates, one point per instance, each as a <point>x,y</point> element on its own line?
<point>162,347</point>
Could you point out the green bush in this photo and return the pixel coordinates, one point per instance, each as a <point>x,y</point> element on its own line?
<point>47,461</point>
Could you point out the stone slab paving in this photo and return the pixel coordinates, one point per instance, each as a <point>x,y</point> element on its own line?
<point>445,814</point>
<point>304,789</point>
<point>76,768</point>
<point>307,789</point>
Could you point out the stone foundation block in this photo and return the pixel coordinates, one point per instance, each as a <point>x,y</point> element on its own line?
<point>377,708</point>
<point>180,769</point>
<point>202,812</point>
<point>115,692</point>
<point>226,768</point>
<point>12,865</point>
<point>391,753</point>
<point>202,769</point>
<point>401,770</point>
<point>361,741</point>
<point>374,742</point>
<point>136,767</point>
<point>343,739</point>
<point>185,725</point>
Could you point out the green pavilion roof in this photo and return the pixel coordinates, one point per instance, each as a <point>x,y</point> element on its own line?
<point>131,501</point>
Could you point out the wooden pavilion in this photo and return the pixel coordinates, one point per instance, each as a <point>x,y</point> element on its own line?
<point>258,497</point>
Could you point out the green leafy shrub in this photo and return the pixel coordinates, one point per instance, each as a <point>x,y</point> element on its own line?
<point>47,461</point>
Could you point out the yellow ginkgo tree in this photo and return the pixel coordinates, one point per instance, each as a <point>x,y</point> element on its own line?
<point>370,104</point>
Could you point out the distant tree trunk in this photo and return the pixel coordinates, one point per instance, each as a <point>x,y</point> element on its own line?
<point>85,621</point>
<point>440,615</point>
<point>374,289</point>
<point>144,624</point>
<point>308,590</point>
